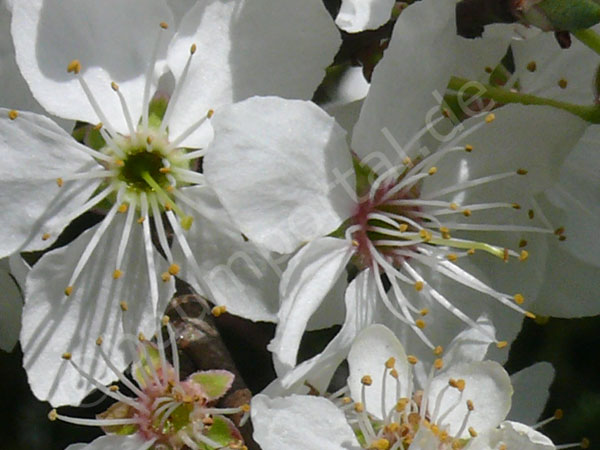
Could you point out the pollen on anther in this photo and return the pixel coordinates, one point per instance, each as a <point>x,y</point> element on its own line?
<point>468,148</point>
<point>471,251</point>
<point>359,407</point>
<point>380,444</point>
<point>13,114</point>
<point>165,276</point>
<point>367,380</point>
<point>501,344</point>
<point>117,274</point>
<point>420,323</point>
<point>419,286</point>
<point>562,83</point>
<point>412,359</point>
<point>432,171</point>
<point>524,255</point>
<point>218,310</point>
<point>516,206</point>
<point>74,67</point>
<point>141,337</point>
<point>488,69</point>
<point>68,290</point>
<point>531,214</point>
<point>424,312</point>
<point>165,320</point>
<point>531,66</point>
<point>99,341</point>
<point>66,356</point>
<point>174,269</point>
<point>113,388</point>
<point>522,243</point>
<point>522,171</point>
<point>45,236</point>
<point>141,220</point>
<point>193,49</point>
<point>407,161</point>
<point>452,257</point>
<point>164,25</point>
<point>438,350</point>
<point>472,432</point>
<point>52,415</point>
<point>114,86</point>
<point>529,315</point>
<point>123,208</point>
<point>390,363</point>
<point>559,231</point>
<point>470,405</point>
<point>165,170</point>
<point>467,213</point>
<point>438,363</point>
<point>124,306</point>
<point>519,299</point>
<point>490,118</point>
<point>453,206</point>
<point>403,227</point>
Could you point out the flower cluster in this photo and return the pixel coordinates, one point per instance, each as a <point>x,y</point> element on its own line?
<point>426,202</point>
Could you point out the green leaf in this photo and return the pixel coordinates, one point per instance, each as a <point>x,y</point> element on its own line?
<point>214,383</point>
<point>222,431</point>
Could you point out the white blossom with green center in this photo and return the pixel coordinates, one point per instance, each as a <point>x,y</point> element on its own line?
<point>90,62</point>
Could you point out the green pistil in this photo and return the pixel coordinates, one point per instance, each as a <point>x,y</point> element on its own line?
<point>186,221</point>
<point>468,245</point>
<point>138,163</point>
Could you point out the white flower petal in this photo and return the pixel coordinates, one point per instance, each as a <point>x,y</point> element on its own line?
<point>531,386</point>
<point>470,344</point>
<point>487,386</point>
<point>360,15</point>
<point>245,48</point>
<point>54,324</point>
<point>11,305</point>
<point>48,35</point>
<point>370,351</point>
<point>518,435</point>
<point>401,107</point>
<point>425,440</point>
<point>300,422</point>
<point>111,442</point>
<point>309,276</point>
<point>35,153</point>
<point>240,276</point>
<point>361,311</point>
<point>301,158</point>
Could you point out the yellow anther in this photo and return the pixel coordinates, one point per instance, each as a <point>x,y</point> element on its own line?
<point>165,276</point>
<point>165,320</point>
<point>559,231</point>
<point>174,269</point>
<point>68,290</point>
<point>472,432</point>
<point>392,427</point>
<point>210,113</point>
<point>502,447</point>
<point>346,400</point>
<point>420,323</point>
<point>490,118</point>
<point>119,163</point>
<point>123,208</point>
<point>403,227</point>
<point>74,67</point>
<point>522,171</point>
<point>468,148</point>
<point>531,214</point>
<point>585,443</point>
<point>558,414</point>
<point>471,251</point>
<point>117,274</point>
<point>45,236</point>
<point>380,444</point>
<point>501,344</point>
<point>124,306</point>
<point>562,83</point>
<point>488,69</point>
<point>99,341</point>
<point>164,25</point>
<point>505,255</point>
<point>13,114</point>
<point>531,66</point>
<point>425,235</point>
<point>424,312</point>
<point>419,286</point>
<point>407,161</point>
<point>66,356</point>
<point>432,171</point>
<point>460,384</point>
<point>59,182</point>
<point>467,212</point>
<point>355,243</point>
<point>114,86</point>
<point>470,405</point>
<point>165,170</point>
<point>141,337</point>
<point>52,415</point>
<point>438,363</point>
<point>390,363</point>
<point>529,315</point>
<point>562,238</point>
<point>168,206</point>
<point>193,49</point>
<point>366,380</point>
<point>394,373</point>
<point>522,243</point>
<point>170,188</point>
<point>113,388</point>
<point>98,126</point>
<point>524,255</point>
<point>219,310</point>
<point>149,140</point>
<point>412,359</point>
<point>141,220</point>
<point>359,407</point>
<point>516,206</point>
<point>519,299</point>
<point>401,404</point>
<point>452,257</point>
<point>438,350</point>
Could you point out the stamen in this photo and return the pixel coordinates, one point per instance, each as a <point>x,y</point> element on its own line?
<point>126,232</point>
<point>174,353</point>
<point>149,252</point>
<point>187,132</point>
<point>160,229</point>
<point>126,113</point>
<point>150,76</point>
<point>53,415</point>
